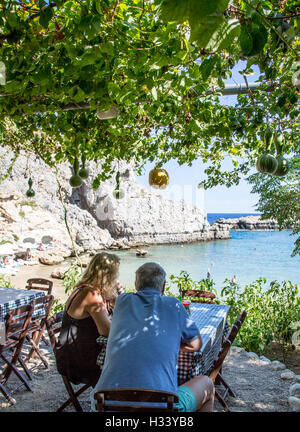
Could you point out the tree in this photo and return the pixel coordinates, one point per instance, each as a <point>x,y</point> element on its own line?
<point>160,65</point>
<point>280,198</point>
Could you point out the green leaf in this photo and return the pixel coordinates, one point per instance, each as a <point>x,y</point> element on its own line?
<point>175,10</point>
<point>201,32</point>
<point>224,35</point>
<point>207,67</point>
<point>98,7</point>
<point>259,37</point>
<point>205,17</point>
<point>12,19</point>
<point>245,40</point>
<point>46,15</point>
<point>12,86</point>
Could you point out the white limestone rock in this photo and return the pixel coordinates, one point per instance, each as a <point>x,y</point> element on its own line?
<point>287,375</point>
<point>235,349</point>
<point>294,403</point>
<point>295,390</point>
<point>249,223</point>
<point>297,378</point>
<point>265,359</point>
<point>277,365</point>
<point>253,355</point>
<point>95,217</point>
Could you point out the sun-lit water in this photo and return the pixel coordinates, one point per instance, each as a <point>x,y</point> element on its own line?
<point>248,255</point>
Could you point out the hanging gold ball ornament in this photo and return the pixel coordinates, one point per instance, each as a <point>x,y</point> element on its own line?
<point>158,178</point>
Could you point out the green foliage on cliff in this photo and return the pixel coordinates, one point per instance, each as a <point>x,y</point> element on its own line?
<point>158,64</point>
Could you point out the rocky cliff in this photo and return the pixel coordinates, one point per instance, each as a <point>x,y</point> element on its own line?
<point>96,219</point>
<point>248,223</point>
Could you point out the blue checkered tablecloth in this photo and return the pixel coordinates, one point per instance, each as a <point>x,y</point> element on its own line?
<point>210,319</point>
<point>11,298</point>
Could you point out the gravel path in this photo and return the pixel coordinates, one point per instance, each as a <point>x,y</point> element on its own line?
<point>258,387</point>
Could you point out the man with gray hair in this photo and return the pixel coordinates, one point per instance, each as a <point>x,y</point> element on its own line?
<point>147,331</point>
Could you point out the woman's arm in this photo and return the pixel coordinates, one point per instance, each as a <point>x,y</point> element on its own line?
<point>96,308</point>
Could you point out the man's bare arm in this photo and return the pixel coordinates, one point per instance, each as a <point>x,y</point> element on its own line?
<point>192,346</point>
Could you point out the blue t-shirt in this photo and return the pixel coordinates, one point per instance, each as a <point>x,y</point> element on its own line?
<point>144,340</point>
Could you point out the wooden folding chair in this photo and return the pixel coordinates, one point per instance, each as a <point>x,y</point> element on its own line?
<point>39,284</point>
<point>53,325</point>
<point>16,325</point>
<point>145,398</point>
<point>202,296</point>
<point>215,373</point>
<point>35,332</point>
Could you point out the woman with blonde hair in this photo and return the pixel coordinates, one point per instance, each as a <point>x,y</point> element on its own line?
<point>85,318</point>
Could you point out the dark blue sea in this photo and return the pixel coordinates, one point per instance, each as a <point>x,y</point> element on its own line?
<point>248,255</point>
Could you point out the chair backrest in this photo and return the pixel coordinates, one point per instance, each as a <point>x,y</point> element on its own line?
<point>214,371</point>
<point>241,319</point>
<point>202,296</point>
<point>106,400</point>
<point>53,325</point>
<point>42,307</point>
<point>17,321</point>
<point>40,284</point>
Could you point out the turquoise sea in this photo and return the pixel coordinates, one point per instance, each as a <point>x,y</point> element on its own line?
<point>248,255</point>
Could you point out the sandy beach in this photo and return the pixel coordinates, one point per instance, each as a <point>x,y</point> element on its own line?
<point>41,271</point>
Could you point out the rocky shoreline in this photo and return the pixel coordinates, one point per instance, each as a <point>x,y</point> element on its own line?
<point>96,219</point>
<point>248,223</point>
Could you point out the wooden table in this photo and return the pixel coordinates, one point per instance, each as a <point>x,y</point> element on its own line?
<point>210,319</point>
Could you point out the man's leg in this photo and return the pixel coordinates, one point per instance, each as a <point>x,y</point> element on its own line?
<point>204,392</point>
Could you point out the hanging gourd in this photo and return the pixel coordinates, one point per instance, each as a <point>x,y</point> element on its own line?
<point>75,181</point>
<point>268,137</point>
<point>30,192</point>
<point>158,178</point>
<point>83,172</point>
<point>118,193</point>
<point>282,164</point>
<point>267,163</point>
<point>282,167</point>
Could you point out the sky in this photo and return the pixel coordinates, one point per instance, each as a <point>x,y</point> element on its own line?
<point>183,180</point>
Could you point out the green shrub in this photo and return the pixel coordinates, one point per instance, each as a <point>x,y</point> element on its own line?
<point>129,289</point>
<point>71,277</point>
<point>271,313</point>
<point>184,282</point>
<point>5,281</point>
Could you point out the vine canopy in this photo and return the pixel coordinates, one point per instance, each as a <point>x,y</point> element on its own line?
<point>143,80</point>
